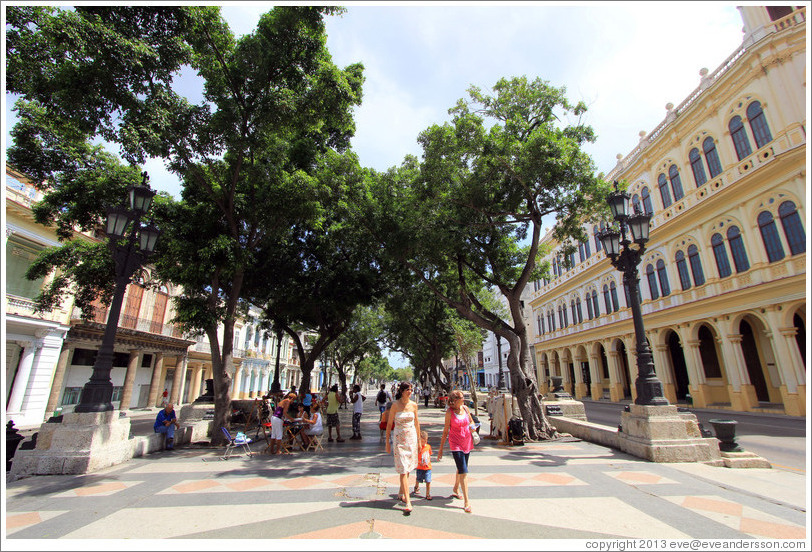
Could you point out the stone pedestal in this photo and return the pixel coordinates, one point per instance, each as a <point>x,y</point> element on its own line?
<point>568,407</point>
<point>196,412</point>
<point>744,459</point>
<point>662,434</point>
<point>81,443</point>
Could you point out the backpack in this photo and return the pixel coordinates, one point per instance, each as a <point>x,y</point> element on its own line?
<point>381,397</point>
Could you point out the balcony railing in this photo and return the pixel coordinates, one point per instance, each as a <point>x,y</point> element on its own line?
<point>132,323</point>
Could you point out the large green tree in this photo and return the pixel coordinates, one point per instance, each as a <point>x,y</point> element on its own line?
<point>274,104</point>
<point>469,215</point>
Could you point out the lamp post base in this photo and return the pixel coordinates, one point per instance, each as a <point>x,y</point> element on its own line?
<point>663,434</point>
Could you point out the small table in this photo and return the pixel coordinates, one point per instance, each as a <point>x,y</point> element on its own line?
<point>291,430</point>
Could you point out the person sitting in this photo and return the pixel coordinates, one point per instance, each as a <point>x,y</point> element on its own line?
<point>315,426</point>
<point>166,422</point>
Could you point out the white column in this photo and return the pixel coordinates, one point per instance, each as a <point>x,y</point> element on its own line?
<point>15,401</point>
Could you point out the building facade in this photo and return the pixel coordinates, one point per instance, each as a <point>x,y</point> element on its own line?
<point>723,278</point>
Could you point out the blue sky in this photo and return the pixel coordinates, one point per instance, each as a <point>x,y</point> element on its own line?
<point>626,61</point>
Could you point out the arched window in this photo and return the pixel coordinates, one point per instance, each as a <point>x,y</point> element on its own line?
<point>769,234</point>
<point>662,183</point>
<point>682,269</point>
<point>595,306</point>
<point>652,282</point>
<point>740,141</point>
<point>574,314</point>
<point>758,124</point>
<point>555,266</point>
<point>613,293</point>
<point>676,183</point>
<point>720,253</point>
<point>586,248</point>
<point>647,208</point>
<point>551,320</point>
<point>712,157</point>
<point>697,167</point>
<point>696,265</point>
<point>578,310</point>
<point>566,317</point>
<point>734,238</point>
<point>606,299</point>
<point>589,306</point>
<point>793,227</point>
<point>539,324</point>
<point>597,240</point>
<point>663,277</point>
<point>581,252</point>
<point>636,204</point>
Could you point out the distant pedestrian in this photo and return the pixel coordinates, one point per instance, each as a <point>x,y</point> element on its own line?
<point>307,401</point>
<point>164,397</point>
<point>426,394</point>
<point>382,398</point>
<point>423,472</point>
<point>403,419</point>
<point>333,402</point>
<point>458,427</point>
<point>357,410</point>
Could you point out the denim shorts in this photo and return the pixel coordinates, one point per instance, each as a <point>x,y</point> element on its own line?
<point>423,476</point>
<point>461,459</point>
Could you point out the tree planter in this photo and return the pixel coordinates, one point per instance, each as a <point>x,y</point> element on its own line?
<point>726,433</point>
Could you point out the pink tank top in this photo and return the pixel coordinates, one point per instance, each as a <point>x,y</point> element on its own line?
<point>459,434</point>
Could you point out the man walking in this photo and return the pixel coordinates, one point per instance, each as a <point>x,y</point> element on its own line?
<point>358,409</point>
<point>383,398</point>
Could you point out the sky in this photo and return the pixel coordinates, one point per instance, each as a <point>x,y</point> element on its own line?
<point>625,60</point>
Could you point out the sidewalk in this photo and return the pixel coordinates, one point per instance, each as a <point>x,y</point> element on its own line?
<point>567,489</point>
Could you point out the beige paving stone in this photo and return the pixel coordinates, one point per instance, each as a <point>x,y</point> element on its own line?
<point>16,521</point>
<point>640,478</point>
<point>173,522</point>
<point>606,515</point>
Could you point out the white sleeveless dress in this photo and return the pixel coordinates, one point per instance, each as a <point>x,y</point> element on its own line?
<point>405,442</point>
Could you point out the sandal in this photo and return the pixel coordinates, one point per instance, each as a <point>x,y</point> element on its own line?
<point>456,495</point>
<point>428,497</point>
<point>330,440</point>
<point>467,509</point>
<point>339,440</point>
<point>407,510</point>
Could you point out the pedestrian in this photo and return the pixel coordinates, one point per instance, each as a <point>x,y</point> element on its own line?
<point>382,398</point>
<point>307,401</point>
<point>166,422</point>
<point>403,418</point>
<point>164,397</point>
<point>278,423</point>
<point>458,427</point>
<point>333,402</point>
<point>357,410</point>
<point>426,394</point>
<point>423,472</point>
<point>384,417</point>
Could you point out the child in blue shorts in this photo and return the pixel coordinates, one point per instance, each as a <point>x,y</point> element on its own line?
<point>423,471</point>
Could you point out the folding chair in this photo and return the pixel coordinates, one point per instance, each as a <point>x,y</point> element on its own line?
<point>315,443</point>
<point>234,442</point>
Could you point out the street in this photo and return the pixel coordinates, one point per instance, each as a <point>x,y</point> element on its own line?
<point>779,439</point>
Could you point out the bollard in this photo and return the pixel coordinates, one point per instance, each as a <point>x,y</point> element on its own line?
<point>13,439</point>
<point>726,433</point>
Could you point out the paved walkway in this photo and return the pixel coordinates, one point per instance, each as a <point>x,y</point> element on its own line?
<point>567,489</point>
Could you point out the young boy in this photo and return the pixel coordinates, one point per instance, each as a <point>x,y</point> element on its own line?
<point>423,471</point>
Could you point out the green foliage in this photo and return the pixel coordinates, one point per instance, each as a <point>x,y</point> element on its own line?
<point>83,266</point>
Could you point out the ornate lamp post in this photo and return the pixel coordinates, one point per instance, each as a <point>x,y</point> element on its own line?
<point>649,387</point>
<point>501,383</point>
<point>131,243</point>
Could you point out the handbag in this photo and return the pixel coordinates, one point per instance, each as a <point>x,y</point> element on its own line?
<point>475,436</point>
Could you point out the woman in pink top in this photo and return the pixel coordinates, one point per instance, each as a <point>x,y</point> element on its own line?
<point>458,423</point>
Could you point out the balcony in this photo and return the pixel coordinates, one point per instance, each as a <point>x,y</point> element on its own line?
<point>131,323</point>
<point>22,306</point>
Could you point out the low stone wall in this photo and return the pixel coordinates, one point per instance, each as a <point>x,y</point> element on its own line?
<point>586,431</point>
<point>188,433</point>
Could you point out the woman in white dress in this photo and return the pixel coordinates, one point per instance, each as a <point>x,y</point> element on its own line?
<point>403,418</point>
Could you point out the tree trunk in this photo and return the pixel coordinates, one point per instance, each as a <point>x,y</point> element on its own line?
<point>222,384</point>
<point>525,389</point>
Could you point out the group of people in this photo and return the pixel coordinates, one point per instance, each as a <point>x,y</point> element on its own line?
<point>411,450</point>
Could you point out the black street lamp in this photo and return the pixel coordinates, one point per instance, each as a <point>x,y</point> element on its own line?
<point>501,383</point>
<point>649,387</point>
<point>129,256</point>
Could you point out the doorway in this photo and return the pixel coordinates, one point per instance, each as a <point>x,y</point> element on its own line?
<point>681,381</point>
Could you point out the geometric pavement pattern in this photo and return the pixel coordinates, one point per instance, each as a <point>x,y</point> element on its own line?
<point>550,490</point>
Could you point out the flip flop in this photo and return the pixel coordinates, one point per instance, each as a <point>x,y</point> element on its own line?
<point>407,510</point>
<point>467,509</point>
<point>428,497</point>
<point>456,495</point>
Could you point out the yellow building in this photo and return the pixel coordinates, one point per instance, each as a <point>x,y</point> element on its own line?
<point>723,278</point>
